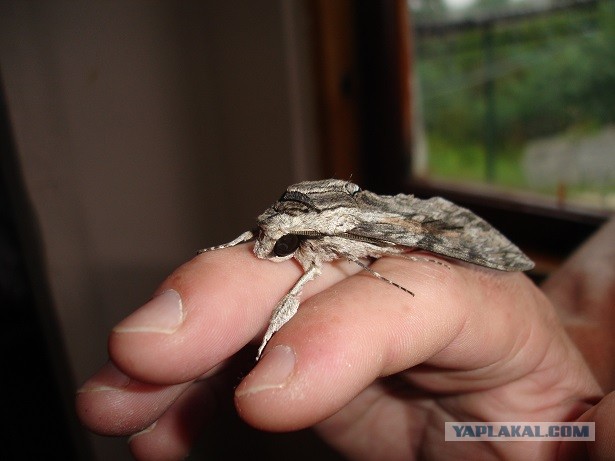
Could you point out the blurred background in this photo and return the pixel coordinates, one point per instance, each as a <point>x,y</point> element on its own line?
<point>136,132</point>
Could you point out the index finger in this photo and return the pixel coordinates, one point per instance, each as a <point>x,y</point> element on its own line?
<point>206,311</point>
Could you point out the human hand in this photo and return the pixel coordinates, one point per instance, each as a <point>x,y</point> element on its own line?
<point>375,370</point>
<point>582,291</point>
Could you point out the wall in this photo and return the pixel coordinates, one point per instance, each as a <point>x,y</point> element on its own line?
<point>147,130</point>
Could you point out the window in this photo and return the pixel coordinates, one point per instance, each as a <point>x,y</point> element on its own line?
<point>410,106</point>
<point>517,95</point>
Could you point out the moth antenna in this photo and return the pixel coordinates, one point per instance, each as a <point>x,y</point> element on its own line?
<point>377,275</point>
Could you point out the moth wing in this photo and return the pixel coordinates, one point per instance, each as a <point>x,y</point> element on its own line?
<point>438,226</point>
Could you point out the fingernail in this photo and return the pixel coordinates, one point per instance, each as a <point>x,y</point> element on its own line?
<point>148,429</point>
<point>163,314</point>
<point>272,372</point>
<point>108,378</point>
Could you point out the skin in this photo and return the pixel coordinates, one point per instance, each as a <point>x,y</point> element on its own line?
<point>362,357</point>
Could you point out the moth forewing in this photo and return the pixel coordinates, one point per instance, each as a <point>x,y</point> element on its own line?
<point>439,226</point>
<point>319,221</point>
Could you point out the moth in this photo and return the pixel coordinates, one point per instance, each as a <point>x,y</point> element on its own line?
<point>320,221</point>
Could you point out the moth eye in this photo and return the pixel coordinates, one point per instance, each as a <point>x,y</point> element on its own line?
<point>286,245</point>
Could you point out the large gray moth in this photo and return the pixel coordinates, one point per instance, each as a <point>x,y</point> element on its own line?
<point>320,221</point>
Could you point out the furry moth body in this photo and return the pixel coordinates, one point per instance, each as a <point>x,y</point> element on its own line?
<point>319,221</point>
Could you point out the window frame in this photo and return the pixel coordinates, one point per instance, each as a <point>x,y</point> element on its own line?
<point>380,72</point>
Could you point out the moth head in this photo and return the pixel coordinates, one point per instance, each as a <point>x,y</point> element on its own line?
<point>282,234</point>
<point>305,211</point>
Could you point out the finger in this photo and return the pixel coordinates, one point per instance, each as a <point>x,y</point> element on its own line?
<point>584,283</point>
<point>115,402</point>
<point>602,414</point>
<point>345,337</point>
<point>603,447</point>
<point>174,433</point>
<point>111,403</point>
<point>204,312</point>
<point>582,291</point>
<point>172,436</point>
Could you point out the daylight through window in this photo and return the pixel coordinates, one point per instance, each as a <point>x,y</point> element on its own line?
<point>518,95</point>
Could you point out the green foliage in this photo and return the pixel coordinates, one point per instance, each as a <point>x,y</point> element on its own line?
<point>549,74</point>
<point>466,162</point>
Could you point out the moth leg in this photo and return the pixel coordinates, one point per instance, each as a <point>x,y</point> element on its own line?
<point>245,237</point>
<point>376,274</point>
<point>423,258</point>
<point>287,307</point>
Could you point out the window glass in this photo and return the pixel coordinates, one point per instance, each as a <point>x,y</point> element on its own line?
<point>520,95</point>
